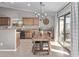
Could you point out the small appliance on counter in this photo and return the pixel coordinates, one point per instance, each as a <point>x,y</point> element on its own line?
<point>22,34</point>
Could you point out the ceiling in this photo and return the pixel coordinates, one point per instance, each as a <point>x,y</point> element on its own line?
<point>50,7</point>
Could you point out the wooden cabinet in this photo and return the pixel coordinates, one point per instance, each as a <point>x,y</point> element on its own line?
<point>28,34</point>
<point>27,21</point>
<point>30,21</point>
<point>0,21</point>
<point>4,21</point>
<point>36,21</point>
<point>17,39</point>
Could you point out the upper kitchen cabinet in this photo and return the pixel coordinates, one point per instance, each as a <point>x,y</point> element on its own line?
<point>30,21</point>
<point>36,21</point>
<point>4,21</point>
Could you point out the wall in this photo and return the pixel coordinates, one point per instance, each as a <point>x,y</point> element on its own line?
<point>50,25</point>
<point>18,14</point>
<point>56,28</point>
<point>75,30</point>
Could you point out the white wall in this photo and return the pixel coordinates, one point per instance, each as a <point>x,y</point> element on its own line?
<point>75,30</point>
<point>56,28</point>
<point>50,25</point>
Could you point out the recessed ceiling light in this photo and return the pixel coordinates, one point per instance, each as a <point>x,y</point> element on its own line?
<point>28,4</point>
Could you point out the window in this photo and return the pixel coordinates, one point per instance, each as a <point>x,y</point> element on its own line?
<point>67,39</point>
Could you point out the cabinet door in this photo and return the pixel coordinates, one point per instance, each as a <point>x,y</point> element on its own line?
<point>17,39</point>
<point>4,21</point>
<point>28,21</point>
<point>28,34</point>
<point>0,21</point>
<point>36,21</point>
<point>1,18</point>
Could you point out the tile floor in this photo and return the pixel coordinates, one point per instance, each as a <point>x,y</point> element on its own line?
<point>67,44</point>
<point>25,50</point>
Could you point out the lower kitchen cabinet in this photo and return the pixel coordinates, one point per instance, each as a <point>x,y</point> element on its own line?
<point>28,34</point>
<point>17,39</point>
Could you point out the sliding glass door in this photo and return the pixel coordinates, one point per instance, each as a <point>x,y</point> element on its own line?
<point>61,30</point>
<point>64,31</point>
<point>67,39</point>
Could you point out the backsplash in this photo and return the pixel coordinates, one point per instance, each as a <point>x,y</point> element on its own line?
<point>5,27</point>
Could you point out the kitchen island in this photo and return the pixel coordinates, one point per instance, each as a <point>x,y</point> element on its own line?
<point>9,40</point>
